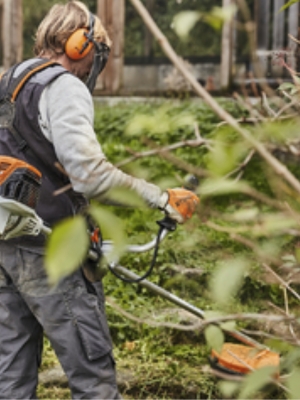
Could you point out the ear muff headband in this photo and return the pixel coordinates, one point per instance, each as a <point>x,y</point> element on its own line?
<point>80,42</point>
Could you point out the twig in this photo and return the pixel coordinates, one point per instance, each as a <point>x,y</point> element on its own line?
<point>179,162</point>
<point>293,38</point>
<point>281,281</point>
<point>243,164</point>
<point>249,316</point>
<point>293,103</point>
<point>263,334</point>
<point>186,328</point>
<point>189,143</point>
<point>255,114</point>
<point>266,105</point>
<point>286,303</point>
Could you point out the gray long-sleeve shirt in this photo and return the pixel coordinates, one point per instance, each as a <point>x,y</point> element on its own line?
<point>66,119</point>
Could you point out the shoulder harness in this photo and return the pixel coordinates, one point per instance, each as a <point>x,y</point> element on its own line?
<point>10,87</point>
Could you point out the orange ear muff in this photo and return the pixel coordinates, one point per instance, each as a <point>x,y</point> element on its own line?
<point>78,45</point>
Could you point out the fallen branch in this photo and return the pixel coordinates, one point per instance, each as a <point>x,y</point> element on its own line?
<point>202,323</point>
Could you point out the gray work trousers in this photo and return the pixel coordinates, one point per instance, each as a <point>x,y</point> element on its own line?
<point>71,315</point>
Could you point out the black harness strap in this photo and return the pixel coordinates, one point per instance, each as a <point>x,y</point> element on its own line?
<point>19,82</point>
<point>13,87</point>
<point>16,84</point>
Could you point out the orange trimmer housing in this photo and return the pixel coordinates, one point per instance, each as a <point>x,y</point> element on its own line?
<point>19,181</point>
<point>239,359</point>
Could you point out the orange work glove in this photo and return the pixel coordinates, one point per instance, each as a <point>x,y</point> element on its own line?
<point>179,204</point>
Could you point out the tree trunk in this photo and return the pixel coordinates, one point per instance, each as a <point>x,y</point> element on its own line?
<point>227,51</point>
<point>293,27</point>
<point>112,14</point>
<point>12,32</point>
<point>277,39</point>
<point>263,37</point>
<point>148,38</point>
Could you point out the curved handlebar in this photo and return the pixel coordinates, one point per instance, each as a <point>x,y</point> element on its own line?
<point>166,225</point>
<point>107,245</point>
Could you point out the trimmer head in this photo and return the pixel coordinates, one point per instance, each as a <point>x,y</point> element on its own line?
<point>238,359</point>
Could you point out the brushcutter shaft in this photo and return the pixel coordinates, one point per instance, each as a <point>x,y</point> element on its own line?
<point>183,304</point>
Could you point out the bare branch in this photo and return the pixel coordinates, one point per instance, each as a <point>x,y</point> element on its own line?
<point>202,323</point>
<point>266,105</point>
<point>242,165</point>
<point>264,334</point>
<point>199,141</point>
<point>281,281</point>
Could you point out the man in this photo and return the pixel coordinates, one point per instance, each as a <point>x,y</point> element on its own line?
<point>52,129</point>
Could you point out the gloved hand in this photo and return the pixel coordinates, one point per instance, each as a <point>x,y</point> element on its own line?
<point>179,204</point>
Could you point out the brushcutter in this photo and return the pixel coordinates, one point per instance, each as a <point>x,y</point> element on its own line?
<point>19,193</point>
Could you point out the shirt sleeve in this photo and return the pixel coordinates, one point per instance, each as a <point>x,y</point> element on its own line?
<point>66,119</point>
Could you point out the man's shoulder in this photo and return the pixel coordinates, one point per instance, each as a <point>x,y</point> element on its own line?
<point>68,83</point>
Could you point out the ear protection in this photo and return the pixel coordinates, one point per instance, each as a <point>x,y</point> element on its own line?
<point>81,41</point>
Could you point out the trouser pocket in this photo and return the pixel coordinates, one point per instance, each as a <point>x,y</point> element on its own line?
<point>86,306</point>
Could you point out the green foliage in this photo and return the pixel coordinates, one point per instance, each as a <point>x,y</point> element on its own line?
<point>111,227</point>
<point>294,384</point>
<point>255,381</point>
<point>232,272</point>
<point>66,249</point>
<point>214,337</point>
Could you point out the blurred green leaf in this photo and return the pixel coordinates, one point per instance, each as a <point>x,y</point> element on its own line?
<point>111,227</point>
<point>293,382</point>
<point>297,253</point>
<point>125,197</point>
<point>224,157</point>
<point>292,358</point>
<point>214,337</point>
<point>228,388</point>
<point>66,248</point>
<point>248,214</point>
<point>227,279</point>
<point>288,4</point>
<point>219,15</point>
<point>221,186</point>
<point>228,325</point>
<point>273,224</point>
<point>286,86</point>
<point>159,123</point>
<point>271,247</point>
<point>279,132</point>
<point>184,22</point>
<point>255,381</point>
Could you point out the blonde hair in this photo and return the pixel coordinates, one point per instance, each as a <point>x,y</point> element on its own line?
<point>60,22</point>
